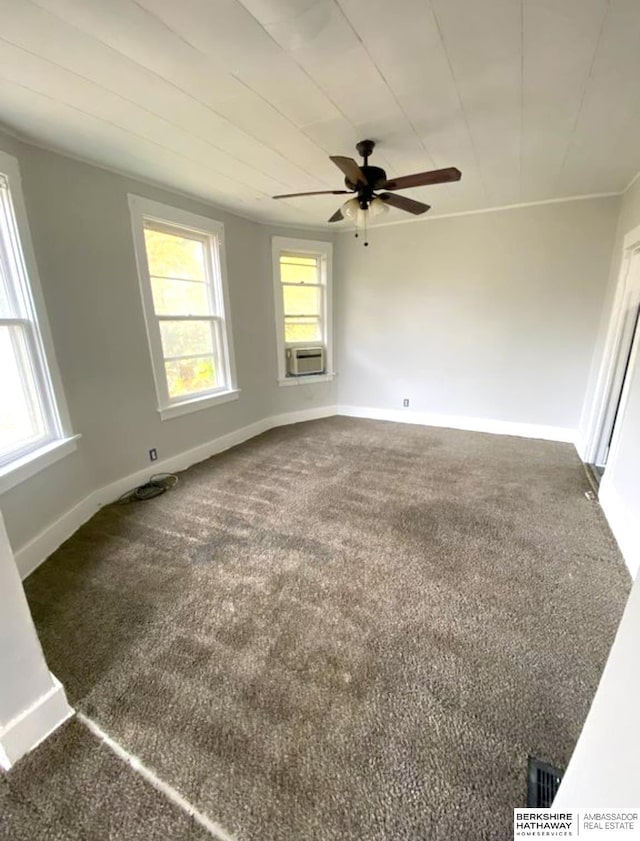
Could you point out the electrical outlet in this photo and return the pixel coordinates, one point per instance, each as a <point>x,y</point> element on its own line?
<point>153,454</point>
<point>405,402</point>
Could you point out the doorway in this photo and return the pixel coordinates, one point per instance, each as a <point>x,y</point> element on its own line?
<point>623,329</point>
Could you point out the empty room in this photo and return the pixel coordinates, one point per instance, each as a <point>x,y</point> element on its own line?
<point>319,419</point>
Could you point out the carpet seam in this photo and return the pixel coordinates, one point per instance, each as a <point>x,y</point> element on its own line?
<point>168,791</point>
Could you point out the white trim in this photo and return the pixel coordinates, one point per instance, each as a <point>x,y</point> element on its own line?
<point>218,205</point>
<point>623,524</point>
<point>45,543</point>
<point>302,416</point>
<point>18,471</point>
<point>23,733</point>
<point>198,403</point>
<point>50,380</point>
<point>215,830</point>
<point>596,414</point>
<point>317,248</point>
<point>631,183</point>
<point>141,210</point>
<point>38,549</point>
<point>495,427</point>
<point>433,216</point>
<point>308,378</point>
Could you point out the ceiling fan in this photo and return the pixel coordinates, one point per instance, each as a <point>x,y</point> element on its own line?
<point>365,181</point>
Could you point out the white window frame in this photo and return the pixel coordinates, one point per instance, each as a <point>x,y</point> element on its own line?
<point>324,252</point>
<point>18,256</point>
<point>144,210</point>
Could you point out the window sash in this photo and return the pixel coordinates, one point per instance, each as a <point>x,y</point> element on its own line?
<point>320,310</point>
<point>34,388</point>
<point>319,317</point>
<point>215,316</point>
<point>18,312</point>
<point>211,252</point>
<point>13,273</point>
<point>216,325</point>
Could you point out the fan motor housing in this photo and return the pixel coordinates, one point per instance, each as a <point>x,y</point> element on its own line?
<point>374,175</point>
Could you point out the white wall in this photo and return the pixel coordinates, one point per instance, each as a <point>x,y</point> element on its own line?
<point>81,231</point>
<point>605,767</point>
<point>604,771</point>
<point>620,489</point>
<point>32,702</point>
<point>492,315</point>
<point>484,316</point>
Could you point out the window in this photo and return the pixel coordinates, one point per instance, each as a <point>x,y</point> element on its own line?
<point>302,287</point>
<point>182,281</point>
<point>33,419</point>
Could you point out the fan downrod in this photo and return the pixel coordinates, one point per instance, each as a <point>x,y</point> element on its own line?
<point>365,148</point>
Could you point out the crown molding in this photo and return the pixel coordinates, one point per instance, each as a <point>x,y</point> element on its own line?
<point>495,209</point>
<point>259,219</point>
<point>631,183</point>
<point>158,185</point>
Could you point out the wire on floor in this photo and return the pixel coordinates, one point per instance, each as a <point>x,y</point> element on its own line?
<point>157,484</point>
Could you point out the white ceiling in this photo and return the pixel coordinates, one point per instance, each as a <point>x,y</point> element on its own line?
<point>236,100</point>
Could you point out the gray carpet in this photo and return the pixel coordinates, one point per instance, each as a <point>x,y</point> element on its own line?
<point>73,787</point>
<point>344,629</point>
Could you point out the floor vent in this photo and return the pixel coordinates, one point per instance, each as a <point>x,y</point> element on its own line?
<point>544,781</point>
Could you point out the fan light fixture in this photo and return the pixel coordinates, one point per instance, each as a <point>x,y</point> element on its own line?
<point>353,210</point>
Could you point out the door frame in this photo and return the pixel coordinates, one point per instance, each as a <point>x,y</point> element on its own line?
<point>618,344</point>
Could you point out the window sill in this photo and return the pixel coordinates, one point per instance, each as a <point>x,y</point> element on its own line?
<point>305,380</point>
<point>24,468</point>
<point>195,405</point>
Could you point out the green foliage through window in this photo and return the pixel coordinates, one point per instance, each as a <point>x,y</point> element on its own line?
<point>181,290</point>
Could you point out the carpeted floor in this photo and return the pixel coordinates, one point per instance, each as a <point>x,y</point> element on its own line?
<point>344,629</point>
<point>73,787</point>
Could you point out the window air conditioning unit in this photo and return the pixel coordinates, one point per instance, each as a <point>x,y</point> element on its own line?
<point>305,360</point>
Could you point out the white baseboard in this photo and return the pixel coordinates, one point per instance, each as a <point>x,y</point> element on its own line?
<point>34,724</point>
<point>623,524</point>
<point>37,550</point>
<point>582,447</point>
<point>32,554</point>
<point>303,415</point>
<point>180,461</point>
<point>496,427</point>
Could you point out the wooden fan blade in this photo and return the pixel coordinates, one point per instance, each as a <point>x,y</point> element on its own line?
<point>350,169</point>
<point>421,179</point>
<point>317,193</point>
<point>337,216</point>
<point>404,203</point>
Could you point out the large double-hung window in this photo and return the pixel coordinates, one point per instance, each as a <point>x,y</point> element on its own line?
<point>184,294</point>
<point>34,425</point>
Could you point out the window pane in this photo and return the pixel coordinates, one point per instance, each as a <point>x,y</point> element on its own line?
<point>21,417</point>
<point>301,300</point>
<point>298,272</point>
<point>302,330</point>
<point>186,338</point>
<point>180,297</point>
<point>190,376</point>
<point>5,309</point>
<point>170,255</point>
<point>299,259</point>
